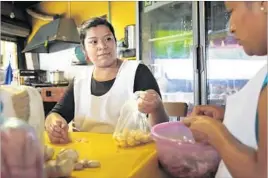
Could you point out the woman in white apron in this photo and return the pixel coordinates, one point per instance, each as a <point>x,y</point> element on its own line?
<point>97,94</point>
<point>241,139</point>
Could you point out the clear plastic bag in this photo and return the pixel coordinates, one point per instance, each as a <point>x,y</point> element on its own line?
<point>32,147</point>
<point>186,157</point>
<point>132,127</point>
<point>22,123</point>
<point>24,103</point>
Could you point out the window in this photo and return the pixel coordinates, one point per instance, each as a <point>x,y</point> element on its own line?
<point>8,54</point>
<point>227,53</point>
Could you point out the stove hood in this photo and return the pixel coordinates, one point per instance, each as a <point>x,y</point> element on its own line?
<point>57,35</point>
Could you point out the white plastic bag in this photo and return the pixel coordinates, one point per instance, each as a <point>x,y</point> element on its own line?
<point>85,124</point>
<point>25,103</point>
<point>132,127</point>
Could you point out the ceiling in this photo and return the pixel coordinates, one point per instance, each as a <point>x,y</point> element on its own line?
<point>23,4</point>
<point>18,10</point>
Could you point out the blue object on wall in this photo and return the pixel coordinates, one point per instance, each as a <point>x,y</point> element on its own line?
<point>80,56</point>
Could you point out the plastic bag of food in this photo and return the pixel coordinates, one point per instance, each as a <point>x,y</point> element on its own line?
<point>132,127</point>
<point>85,124</point>
<point>179,153</point>
<point>24,103</point>
<point>22,121</point>
<point>31,147</point>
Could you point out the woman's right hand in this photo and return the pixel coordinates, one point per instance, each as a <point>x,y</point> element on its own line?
<point>215,112</point>
<point>57,129</point>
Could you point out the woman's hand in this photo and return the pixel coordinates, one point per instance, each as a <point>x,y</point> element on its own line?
<point>21,154</point>
<point>57,129</point>
<point>215,112</point>
<point>149,101</point>
<point>204,128</point>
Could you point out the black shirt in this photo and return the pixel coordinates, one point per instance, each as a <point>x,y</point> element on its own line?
<point>144,80</point>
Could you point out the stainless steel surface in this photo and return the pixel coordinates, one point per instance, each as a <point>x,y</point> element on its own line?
<point>202,34</point>
<point>55,77</point>
<point>33,76</point>
<point>41,85</point>
<point>61,32</point>
<point>14,30</point>
<point>137,32</point>
<point>130,36</point>
<point>32,61</point>
<point>195,52</point>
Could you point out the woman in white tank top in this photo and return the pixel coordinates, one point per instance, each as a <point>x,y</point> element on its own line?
<point>241,139</point>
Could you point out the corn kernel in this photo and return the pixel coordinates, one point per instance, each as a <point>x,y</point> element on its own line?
<point>130,141</point>
<point>123,144</point>
<point>125,133</point>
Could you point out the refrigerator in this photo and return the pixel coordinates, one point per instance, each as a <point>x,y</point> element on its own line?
<point>190,51</point>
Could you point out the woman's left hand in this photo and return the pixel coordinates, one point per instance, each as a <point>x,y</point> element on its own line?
<point>149,101</point>
<point>204,128</point>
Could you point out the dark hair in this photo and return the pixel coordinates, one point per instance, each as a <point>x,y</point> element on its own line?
<point>94,22</point>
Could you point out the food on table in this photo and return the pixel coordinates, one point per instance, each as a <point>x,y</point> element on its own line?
<point>56,169</point>
<point>84,162</point>
<point>78,166</point>
<point>66,161</point>
<point>66,167</point>
<point>81,140</point>
<point>48,153</point>
<point>93,164</point>
<point>67,154</point>
<point>130,138</point>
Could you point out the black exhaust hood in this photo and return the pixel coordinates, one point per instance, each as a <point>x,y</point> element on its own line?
<point>57,35</point>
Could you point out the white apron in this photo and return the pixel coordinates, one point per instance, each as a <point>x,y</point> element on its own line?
<point>240,115</point>
<point>106,108</point>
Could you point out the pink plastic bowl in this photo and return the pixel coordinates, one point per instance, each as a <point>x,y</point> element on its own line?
<point>180,155</point>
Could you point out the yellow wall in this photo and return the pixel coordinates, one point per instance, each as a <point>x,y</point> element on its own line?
<point>84,10</point>
<point>122,13</point>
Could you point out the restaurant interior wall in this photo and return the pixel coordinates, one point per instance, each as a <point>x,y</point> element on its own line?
<point>121,14</point>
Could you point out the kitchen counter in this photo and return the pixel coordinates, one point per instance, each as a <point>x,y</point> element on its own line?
<point>50,96</point>
<point>50,93</point>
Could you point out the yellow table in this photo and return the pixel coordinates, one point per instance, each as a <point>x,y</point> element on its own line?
<point>138,162</point>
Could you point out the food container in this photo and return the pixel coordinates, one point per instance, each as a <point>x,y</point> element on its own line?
<point>180,155</point>
<point>55,77</point>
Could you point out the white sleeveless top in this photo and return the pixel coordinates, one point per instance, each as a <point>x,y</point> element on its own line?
<point>240,115</point>
<point>105,108</point>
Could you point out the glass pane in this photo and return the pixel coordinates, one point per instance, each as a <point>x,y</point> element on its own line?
<point>228,67</point>
<point>8,54</point>
<point>166,46</point>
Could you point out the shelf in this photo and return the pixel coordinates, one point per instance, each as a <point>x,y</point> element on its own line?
<point>129,58</point>
<point>183,37</point>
